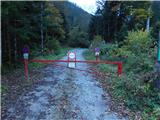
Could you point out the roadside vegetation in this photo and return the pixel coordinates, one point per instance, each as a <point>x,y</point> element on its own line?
<point>128,32</point>
<point>50,56</point>
<point>136,87</point>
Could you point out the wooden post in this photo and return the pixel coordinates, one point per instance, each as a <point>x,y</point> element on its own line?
<point>42,36</point>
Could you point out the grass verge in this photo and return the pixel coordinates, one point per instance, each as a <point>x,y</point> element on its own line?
<point>62,53</point>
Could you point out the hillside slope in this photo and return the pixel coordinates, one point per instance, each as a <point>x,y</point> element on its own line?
<point>74,15</point>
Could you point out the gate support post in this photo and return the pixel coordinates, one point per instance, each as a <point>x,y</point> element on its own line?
<point>119,69</point>
<point>26,68</point>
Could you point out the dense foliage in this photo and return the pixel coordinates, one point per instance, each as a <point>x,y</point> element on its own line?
<point>74,15</point>
<point>77,21</point>
<point>136,87</point>
<point>44,26</point>
<point>113,19</point>
<point>124,28</point>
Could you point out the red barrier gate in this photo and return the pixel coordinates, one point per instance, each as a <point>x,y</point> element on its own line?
<point>119,64</point>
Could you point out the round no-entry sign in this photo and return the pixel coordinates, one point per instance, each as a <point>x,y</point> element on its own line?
<point>72,55</point>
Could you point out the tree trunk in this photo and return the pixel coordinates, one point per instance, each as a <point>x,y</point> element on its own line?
<point>42,37</point>
<point>9,49</point>
<point>15,49</point>
<point>15,46</point>
<point>158,51</point>
<point>157,66</point>
<point>148,24</point>
<point>108,32</point>
<point>116,26</point>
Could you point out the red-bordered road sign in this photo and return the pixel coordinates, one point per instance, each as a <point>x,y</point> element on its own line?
<point>71,59</point>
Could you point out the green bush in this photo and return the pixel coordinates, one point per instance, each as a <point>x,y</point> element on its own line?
<point>136,86</point>
<point>137,95</point>
<point>97,42</point>
<point>106,48</point>
<point>136,51</point>
<point>138,42</point>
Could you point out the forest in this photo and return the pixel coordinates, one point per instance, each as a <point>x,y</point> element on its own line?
<point>44,26</point>
<point>126,31</point>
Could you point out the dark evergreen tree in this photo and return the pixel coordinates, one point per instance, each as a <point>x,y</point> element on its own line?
<point>117,17</point>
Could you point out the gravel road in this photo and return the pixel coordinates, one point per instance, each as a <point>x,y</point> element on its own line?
<point>64,94</point>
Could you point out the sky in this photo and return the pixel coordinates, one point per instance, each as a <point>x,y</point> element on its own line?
<point>87,5</point>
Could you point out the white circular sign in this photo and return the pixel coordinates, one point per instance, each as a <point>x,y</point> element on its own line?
<point>72,55</point>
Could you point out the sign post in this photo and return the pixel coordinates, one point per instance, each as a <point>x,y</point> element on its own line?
<point>71,59</point>
<point>97,52</point>
<point>119,71</point>
<point>26,68</point>
<point>25,57</point>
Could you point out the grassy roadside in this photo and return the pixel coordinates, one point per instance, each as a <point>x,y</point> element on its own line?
<point>10,68</point>
<point>62,53</point>
<point>103,67</point>
<point>131,96</point>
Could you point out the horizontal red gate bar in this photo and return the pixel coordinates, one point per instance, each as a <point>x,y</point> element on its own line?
<point>80,61</point>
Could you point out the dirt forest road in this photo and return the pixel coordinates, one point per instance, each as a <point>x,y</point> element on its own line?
<point>64,94</point>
